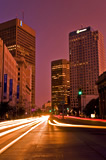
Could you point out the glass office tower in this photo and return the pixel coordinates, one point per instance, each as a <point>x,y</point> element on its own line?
<point>60,82</point>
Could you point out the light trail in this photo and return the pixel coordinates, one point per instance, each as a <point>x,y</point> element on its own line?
<point>43,118</point>
<point>16,123</point>
<point>13,121</point>
<point>86,119</point>
<point>17,128</point>
<point>6,123</point>
<point>77,126</point>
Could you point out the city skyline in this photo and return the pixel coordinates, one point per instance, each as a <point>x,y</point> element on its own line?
<point>54,20</point>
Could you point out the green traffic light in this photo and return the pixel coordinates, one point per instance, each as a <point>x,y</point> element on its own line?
<point>80,93</point>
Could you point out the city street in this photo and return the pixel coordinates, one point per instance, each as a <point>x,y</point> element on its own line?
<point>53,80</point>
<point>43,139</point>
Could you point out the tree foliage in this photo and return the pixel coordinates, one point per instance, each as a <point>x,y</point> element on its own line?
<point>4,108</point>
<point>11,111</point>
<point>92,107</point>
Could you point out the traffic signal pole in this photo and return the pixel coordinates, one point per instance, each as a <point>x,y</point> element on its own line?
<point>79,101</point>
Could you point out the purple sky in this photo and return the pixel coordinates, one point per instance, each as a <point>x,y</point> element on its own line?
<point>53,20</point>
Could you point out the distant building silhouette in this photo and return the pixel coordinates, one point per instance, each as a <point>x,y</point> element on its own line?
<point>46,107</point>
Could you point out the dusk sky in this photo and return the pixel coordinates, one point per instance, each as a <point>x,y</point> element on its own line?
<point>53,20</point>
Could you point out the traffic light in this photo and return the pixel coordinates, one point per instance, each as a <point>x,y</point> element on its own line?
<point>80,92</point>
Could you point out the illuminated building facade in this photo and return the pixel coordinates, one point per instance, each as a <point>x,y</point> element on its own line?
<point>20,40</point>
<point>8,75</point>
<point>59,82</point>
<point>87,62</point>
<point>24,82</point>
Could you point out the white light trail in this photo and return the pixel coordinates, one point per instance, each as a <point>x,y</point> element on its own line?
<point>17,128</point>
<point>74,125</point>
<point>16,123</point>
<point>44,118</point>
<point>13,121</point>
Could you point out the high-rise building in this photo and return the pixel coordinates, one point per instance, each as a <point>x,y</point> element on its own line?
<point>20,40</point>
<point>59,82</point>
<point>8,75</point>
<point>24,82</point>
<point>87,62</point>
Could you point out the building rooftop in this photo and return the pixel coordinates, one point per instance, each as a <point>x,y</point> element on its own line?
<point>81,30</point>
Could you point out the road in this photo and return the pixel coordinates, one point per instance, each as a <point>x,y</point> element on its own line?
<point>40,140</point>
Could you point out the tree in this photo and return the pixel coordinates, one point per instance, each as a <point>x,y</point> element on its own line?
<point>4,108</point>
<point>21,111</point>
<point>91,107</point>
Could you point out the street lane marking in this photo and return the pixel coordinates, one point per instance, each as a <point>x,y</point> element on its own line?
<point>44,118</point>
<point>74,125</point>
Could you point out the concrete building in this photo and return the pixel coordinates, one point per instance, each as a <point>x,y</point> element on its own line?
<point>8,75</point>
<point>60,83</point>
<point>28,89</point>
<point>20,40</point>
<point>102,94</point>
<point>24,82</point>
<point>87,62</point>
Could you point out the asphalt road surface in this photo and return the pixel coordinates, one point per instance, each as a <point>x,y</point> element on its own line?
<point>40,140</point>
